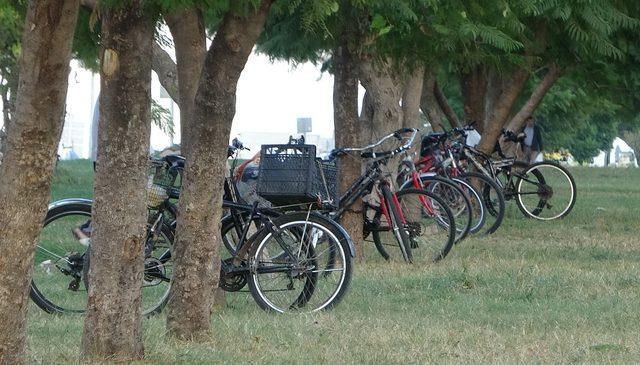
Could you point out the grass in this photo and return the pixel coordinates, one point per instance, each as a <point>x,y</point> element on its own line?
<point>534,292</point>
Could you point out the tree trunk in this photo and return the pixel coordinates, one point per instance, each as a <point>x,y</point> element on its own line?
<point>492,95</point>
<point>112,327</point>
<point>411,97</point>
<point>187,29</point>
<point>552,75</point>
<point>510,88</point>
<point>25,174</point>
<point>429,104</point>
<point>452,117</point>
<point>347,132</point>
<point>196,248</point>
<point>385,90</point>
<point>473,84</point>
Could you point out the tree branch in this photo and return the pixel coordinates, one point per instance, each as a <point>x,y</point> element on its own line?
<point>448,111</point>
<point>553,74</point>
<point>428,102</point>
<point>165,68</point>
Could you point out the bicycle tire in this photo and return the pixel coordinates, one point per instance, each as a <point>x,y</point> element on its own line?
<point>464,217</point>
<point>158,305</point>
<point>545,192</point>
<point>492,198</point>
<point>429,221</point>
<point>398,229</point>
<point>43,294</point>
<point>266,259</point>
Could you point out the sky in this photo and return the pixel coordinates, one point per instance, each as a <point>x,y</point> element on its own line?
<point>271,96</point>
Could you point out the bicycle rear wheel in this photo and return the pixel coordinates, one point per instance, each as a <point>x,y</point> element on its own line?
<point>545,191</point>
<point>429,222</point>
<point>492,199</point>
<point>458,195</point>
<point>57,282</point>
<point>302,264</point>
<point>391,224</point>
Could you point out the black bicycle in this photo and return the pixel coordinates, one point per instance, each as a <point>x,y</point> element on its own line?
<point>414,220</point>
<point>543,190</point>
<point>295,261</point>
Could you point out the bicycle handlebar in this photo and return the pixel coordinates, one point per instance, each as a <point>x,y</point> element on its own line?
<point>369,154</point>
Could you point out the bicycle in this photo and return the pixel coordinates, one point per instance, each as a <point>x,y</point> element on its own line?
<point>440,155</point>
<point>415,218</point>
<point>303,244</point>
<point>533,186</point>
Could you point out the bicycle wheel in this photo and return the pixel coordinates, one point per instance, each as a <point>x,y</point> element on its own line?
<point>430,223</point>
<point>57,283</point>
<point>303,263</point>
<point>392,223</point>
<point>492,199</point>
<point>506,178</point>
<point>158,270</point>
<point>546,191</point>
<point>457,195</point>
<point>478,216</point>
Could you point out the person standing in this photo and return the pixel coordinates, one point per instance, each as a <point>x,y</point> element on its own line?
<point>532,145</point>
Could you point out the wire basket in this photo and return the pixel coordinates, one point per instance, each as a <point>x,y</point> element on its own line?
<point>291,174</point>
<point>163,181</point>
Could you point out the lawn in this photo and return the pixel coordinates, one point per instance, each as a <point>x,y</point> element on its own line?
<point>534,292</point>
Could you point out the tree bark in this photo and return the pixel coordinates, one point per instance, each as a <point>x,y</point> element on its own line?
<point>511,87</point>
<point>553,74</point>
<point>448,111</point>
<point>25,174</point>
<point>162,63</point>
<point>167,72</point>
<point>347,132</point>
<point>112,327</point>
<point>411,97</point>
<point>187,30</point>
<point>385,90</point>
<point>196,248</point>
<point>473,84</point>
<point>429,104</point>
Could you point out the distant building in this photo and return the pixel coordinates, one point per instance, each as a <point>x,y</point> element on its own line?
<point>620,155</point>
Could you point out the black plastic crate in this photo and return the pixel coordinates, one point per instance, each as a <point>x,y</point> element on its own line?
<point>291,174</point>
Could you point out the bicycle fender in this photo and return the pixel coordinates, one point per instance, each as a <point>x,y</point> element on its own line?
<point>69,201</point>
<point>409,184</point>
<point>338,226</point>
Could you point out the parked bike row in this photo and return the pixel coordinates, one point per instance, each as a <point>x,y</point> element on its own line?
<point>285,244</point>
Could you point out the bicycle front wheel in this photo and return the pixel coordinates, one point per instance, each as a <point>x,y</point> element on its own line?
<point>301,263</point>
<point>546,191</point>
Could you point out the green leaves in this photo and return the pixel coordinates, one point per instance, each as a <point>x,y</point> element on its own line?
<point>379,25</point>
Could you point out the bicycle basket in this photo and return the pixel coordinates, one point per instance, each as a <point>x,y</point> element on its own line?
<point>161,181</point>
<point>291,174</point>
